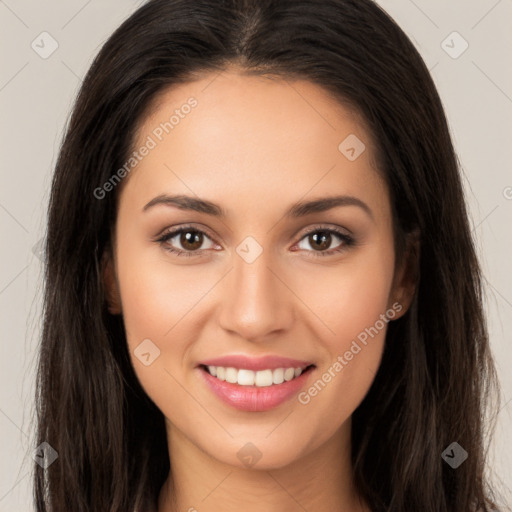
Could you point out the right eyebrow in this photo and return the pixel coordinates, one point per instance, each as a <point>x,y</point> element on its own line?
<point>187,203</point>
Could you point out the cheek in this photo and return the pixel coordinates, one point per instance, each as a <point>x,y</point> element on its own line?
<point>160,304</point>
<point>164,302</point>
<point>349,297</point>
<point>156,295</point>
<point>351,301</point>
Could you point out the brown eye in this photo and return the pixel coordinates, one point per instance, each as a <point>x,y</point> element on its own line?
<point>320,240</point>
<point>191,240</point>
<point>186,241</point>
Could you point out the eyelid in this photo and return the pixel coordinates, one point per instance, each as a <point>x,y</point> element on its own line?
<point>326,227</point>
<point>174,230</point>
<point>344,234</point>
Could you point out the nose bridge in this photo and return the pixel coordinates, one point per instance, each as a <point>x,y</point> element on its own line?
<point>256,303</point>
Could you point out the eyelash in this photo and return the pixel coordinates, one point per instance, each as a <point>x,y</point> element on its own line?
<point>348,241</point>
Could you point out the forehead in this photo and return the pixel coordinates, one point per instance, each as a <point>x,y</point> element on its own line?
<point>256,137</point>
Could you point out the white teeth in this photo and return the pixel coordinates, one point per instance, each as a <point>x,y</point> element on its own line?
<point>261,378</point>
<point>278,376</point>
<point>246,377</point>
<point>289,373</point>
<point>231,375</point>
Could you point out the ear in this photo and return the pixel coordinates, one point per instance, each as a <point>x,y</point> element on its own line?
<point>406,276</point>
<point>110,284</point>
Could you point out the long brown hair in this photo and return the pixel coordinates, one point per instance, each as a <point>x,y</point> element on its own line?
<point>436,373</point>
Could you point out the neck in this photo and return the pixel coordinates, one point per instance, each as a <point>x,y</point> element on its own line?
<point>320,480</point>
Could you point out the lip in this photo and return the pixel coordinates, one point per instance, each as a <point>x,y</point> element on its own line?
<point>254,398</point>
<point>240,361</point>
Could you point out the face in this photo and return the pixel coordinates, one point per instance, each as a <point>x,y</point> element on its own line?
<point>257,271</point>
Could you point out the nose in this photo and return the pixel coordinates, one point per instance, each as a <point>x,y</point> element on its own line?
<point>256,302</point>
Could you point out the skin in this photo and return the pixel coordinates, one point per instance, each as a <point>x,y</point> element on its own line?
<point>255,146</point>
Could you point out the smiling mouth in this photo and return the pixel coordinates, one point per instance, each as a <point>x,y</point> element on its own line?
<point>251,378</point>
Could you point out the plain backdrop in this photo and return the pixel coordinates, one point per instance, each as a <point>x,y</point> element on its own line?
<point>36,95</point>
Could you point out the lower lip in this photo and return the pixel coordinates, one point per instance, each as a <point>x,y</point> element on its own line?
<point>253,398</point>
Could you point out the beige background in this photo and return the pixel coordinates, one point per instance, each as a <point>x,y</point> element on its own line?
<point>36,96</point>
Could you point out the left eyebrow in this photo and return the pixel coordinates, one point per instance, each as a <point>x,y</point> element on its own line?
<point>299,209</point>
<point>304,208</point>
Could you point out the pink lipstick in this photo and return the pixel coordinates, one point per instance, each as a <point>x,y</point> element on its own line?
<point>255,384</point>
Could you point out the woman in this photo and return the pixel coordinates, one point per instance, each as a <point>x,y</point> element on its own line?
<point>261,287</point>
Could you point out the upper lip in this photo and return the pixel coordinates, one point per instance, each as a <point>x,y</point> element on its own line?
<point>271,362</point>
